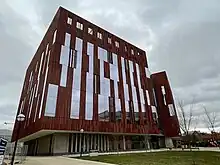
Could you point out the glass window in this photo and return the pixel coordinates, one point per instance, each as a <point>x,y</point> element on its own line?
<point>96,82</point>
<point>90,48</point>
<point>99,35</point>
<point>154,95</point>
<point>67,39</point>
<point>54,36</point>
<point>51,100</point>
<point>171,110</point>
<point>101,71</point>
<point>50,106</point>
<point>163,90</point>
<point>126,94</point>
<point>102,54</point>
<point>90,31</point>
<point>134,93</point>
<point>63,78</point>
<point>109,57</point>
<point>116,89</point>
<point>148,97</point>
<point>115,59</point>
<point>117,44</point>
<point>89,111</point>
<point>136,111</point>
<point>89,82</point>
<point>105,87</point>
<point>78,45</point>
<point>109,40</point>
<point>79,25</point>
<point>132,51</point>
<point>64,55</point>
<point>74,109</point>
<point>141,95</point>
<point>147,72</point>
<point>44,86</point>
<point>76,79</point>
<point>69,21</point>
<point>75,95</point>
<point>113,72</point>
<point>52,90</point>
<point>103,108</point>
<point>143,108</point>
<point>154,110</point>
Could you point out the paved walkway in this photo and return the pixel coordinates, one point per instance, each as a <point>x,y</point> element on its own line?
<point>59,160</point>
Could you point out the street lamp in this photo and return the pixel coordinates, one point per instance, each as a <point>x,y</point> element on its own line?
<point>20,118</point>
<point>81,137</point>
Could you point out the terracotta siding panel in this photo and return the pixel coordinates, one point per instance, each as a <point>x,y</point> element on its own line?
<point>62,120</point>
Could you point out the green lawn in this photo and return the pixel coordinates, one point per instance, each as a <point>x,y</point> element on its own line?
<point>161,158</point>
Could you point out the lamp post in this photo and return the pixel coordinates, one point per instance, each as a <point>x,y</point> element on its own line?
<point>81,133</point>
<point>19,119</point>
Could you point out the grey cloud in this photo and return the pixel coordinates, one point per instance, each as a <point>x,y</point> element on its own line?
<point>183,34</point>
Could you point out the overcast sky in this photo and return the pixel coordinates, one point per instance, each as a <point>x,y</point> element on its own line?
<point>181,37</point>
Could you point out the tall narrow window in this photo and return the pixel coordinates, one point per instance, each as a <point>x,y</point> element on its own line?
<point>132,51</point>
<point>90,31</point>
<point>67,39</point>
<point>109,40</point>
<point>171,110</point>
<point>99,35</point>
<point>77,58</point>
<point>79,25</point>
<point>109,54</point>
<point>69,21</point>
<point>117,44</point>
<point>44,85</point>
<point>51,100</point>
<point>54,36</point>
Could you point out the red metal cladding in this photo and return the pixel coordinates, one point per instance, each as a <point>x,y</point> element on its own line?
<point>169,124</point>
<point>49,72</point>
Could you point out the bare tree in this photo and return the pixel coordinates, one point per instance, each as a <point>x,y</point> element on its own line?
<point>210,119</point>
<point>185,116</point>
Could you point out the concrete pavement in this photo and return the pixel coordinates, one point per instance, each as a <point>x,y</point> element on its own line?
<point>59,160</point>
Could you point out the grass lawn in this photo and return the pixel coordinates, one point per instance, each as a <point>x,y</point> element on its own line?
<point>161,158</point>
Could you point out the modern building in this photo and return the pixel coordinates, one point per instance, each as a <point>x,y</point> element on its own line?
<point>86,89</point>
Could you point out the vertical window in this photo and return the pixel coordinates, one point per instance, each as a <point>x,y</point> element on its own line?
<point>64,60</point>
<point>171,110</point>
<point>132,51</point>
<point>164,94</point>
<point>44,85</point>
<point>96,83</point>
<point>154,113</point>
<point>99,35</point>
<point>67,40</point>
<point>54,36</point>
<point>109,40</point>
<point>63,78</point>
<point>148,97</point>
<point>90,31</point>
<point>102,54</point>
<point>147,72</point>
<point>126,49</point>
<point>117,44</point>
<point>51,100</point>
<point>77,58</point>
<point>75,104</point>
<point>109,56</point>
<point>89,97</point>
<point>79,25</point>
<point>69,21</point>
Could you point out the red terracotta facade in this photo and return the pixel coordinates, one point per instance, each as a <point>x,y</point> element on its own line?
<point>33,98</point>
